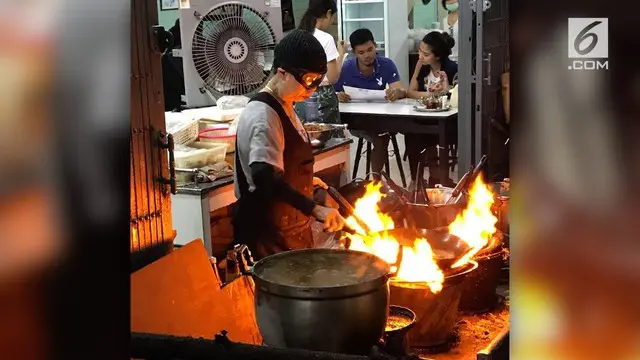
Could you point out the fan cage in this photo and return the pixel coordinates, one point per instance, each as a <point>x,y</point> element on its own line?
<point>233,49</point>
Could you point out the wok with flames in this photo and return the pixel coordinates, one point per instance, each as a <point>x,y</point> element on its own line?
<point>419,255</point>
<point>430,266</point>
<point>447,249</point>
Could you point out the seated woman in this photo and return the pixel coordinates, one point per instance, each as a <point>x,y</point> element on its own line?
<point>433,74</point>
<point>316,20</point>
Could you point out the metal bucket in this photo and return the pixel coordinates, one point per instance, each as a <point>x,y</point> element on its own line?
<point>436,314</point>
<point>396,341</point>
<point>479,294</point>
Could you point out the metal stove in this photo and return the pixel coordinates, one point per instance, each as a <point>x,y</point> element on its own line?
<point>153,346</point>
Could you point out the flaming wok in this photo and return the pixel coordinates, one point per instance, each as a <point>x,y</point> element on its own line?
<point>447,248</point>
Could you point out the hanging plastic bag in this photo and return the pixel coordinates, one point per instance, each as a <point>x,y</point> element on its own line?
<point>232,102</point>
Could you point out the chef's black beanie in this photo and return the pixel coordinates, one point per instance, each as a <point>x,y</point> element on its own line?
<point>299,49</point>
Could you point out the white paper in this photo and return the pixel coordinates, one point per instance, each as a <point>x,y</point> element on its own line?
<point>275,3</point>
<point>364,94</point>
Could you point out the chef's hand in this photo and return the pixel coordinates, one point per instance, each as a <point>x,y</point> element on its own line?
<point>343,98</point>
<point>331,218</point>
<point>319,182</point>
<point>393,94</point>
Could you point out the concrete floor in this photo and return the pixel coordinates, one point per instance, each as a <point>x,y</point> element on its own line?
<point>395,173</point>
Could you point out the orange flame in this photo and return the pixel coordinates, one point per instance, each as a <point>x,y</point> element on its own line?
<point>476,224</point>
<point>366,208</point>
<point>418,263</point>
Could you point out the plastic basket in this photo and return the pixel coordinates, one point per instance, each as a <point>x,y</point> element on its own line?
<point>219,136</point>
<point>183,128</point>
<point>201,156</point>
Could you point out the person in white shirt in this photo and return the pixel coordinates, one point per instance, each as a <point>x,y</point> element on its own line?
<point>450,25</point>
<point>316,20</point>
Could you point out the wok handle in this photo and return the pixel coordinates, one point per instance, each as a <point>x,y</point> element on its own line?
<point>349,230</point>
<point>347,206</point>
<point>478,168</point>
<point>340,199</point>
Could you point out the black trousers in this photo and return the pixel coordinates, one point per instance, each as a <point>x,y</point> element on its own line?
<point>415,144</point>
<point>379,152</point>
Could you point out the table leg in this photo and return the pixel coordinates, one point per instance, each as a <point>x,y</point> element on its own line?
<point>443,158</point>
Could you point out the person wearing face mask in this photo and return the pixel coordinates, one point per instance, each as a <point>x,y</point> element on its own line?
<point>433,74</point>
<point>450,25</point>
<point>316,20</point>
<point>273,170</point>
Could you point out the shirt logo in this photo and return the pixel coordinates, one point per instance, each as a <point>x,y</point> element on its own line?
<point>379,81</point>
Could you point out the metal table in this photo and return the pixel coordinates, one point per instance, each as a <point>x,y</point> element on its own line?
<point>400,117</point>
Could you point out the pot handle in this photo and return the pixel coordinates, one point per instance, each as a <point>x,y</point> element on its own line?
<point>248,271</point>
<point>244,259</point>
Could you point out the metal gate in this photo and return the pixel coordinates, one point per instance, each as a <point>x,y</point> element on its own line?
<point>483,58</point>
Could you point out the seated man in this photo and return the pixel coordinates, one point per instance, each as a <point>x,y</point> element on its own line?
<point>368,70</point>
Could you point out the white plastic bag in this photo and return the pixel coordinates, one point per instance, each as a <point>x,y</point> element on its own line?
<point>454,97</point>
<point>232,102</point>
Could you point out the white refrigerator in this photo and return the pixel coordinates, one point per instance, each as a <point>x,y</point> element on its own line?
<point>387,20</point>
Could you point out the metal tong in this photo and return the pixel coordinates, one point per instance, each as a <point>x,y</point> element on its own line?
<point>402,196</point>
<point>349,209</point>
<point>400,192</point>
<point>466,181</point>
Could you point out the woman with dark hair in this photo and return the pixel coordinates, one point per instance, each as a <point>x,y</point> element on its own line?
<point>433,74</point>
<point>316,20</point>
<point>450,25</point>
<point>434,65</point>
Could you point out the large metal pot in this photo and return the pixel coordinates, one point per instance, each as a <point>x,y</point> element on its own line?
<point>332,300</point>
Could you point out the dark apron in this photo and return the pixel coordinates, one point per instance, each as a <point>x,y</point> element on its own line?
<point>265,225</point>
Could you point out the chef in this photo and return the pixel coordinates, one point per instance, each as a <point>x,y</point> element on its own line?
<point>274,161</point>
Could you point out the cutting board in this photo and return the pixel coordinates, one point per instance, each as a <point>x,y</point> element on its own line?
<point>180,295</point>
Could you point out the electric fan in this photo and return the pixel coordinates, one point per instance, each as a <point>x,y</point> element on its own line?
<point>228,48</point>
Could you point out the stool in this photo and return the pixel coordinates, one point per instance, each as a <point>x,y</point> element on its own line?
<point>453,156</point>
<point>387,168</point>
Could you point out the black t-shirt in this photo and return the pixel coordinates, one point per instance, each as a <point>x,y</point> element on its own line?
<point>172,81</point>
<point>288,21</point>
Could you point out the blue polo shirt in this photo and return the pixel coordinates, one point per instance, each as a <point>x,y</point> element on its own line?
<point>385,73</point>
